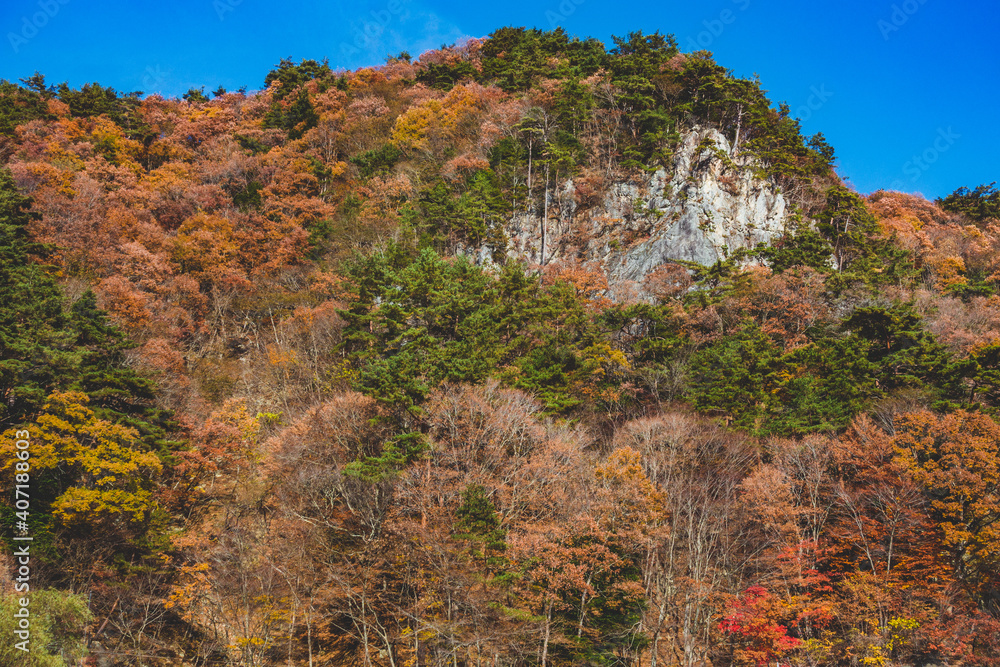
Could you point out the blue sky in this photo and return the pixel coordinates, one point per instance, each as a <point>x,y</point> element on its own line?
<point>905,90</point>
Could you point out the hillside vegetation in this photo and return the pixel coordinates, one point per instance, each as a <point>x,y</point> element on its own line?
<point>292,401</point>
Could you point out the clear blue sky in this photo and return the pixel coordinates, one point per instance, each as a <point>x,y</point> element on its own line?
<point>905,90</point>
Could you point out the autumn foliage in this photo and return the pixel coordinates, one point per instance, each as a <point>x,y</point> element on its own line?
<point>319,375</point>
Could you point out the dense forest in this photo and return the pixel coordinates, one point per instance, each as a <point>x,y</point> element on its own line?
<point>292,401</point>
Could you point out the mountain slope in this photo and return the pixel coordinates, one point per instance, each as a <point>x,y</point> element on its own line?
<point>527,352</point>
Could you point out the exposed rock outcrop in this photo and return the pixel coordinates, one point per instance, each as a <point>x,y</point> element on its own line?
<point>710,204</point>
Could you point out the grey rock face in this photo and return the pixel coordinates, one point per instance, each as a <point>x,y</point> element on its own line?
<point>709,205</point>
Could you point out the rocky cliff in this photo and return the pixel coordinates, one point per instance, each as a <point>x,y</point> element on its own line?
<point>710,203</point>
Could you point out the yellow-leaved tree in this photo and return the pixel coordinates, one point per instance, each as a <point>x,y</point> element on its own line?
<point>96,474</point>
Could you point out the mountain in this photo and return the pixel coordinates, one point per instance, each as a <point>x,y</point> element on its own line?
<point>525,352</point>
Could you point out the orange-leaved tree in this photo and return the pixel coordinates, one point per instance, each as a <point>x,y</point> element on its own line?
<point>955,459</point>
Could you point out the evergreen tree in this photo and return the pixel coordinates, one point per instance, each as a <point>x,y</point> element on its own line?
<point>44,349</point>
<point>36,353</point>
<point>979,204</point>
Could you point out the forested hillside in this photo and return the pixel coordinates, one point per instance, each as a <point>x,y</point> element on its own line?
<point>295,396</point>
